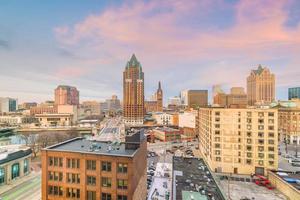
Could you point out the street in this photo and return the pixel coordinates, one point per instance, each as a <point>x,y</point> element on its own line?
<point>111,130</point>
<point>28,190</point>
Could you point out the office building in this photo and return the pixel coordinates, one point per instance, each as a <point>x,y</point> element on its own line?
<point>55,119</point>
<point>167,134</point>
<point>15,163</point>
<point>113,104</point>
<point>91,107</point>
<point>27,105</point>
<point>260,86</point>
<point>93,170</point>
<point>236,99</point>
<point>42,109</point>
<point>133,93</point>
<point>66,95</point>
<point>294,93</point>
<point>240,141</point>
<point>8,104</point>
<point>194,98</point>
<point>166,119</point>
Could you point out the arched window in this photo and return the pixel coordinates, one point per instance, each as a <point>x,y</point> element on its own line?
<point>2,175</point>
<point>15,170</point>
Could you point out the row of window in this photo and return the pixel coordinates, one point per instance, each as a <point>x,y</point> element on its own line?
<point>248,161</point>
<point>90,164</point>
<point>75,193</point>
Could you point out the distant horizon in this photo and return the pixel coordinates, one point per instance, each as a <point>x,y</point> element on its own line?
<point>185,45</point>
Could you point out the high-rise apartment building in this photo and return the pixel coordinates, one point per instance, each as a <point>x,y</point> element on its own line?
<point>294,93</point>
<point>133,92</point>
<point>66,95</point>
<point>8,104</point>
<point>240,141</point>
<point>194,98</point>
<point>260,86</point>
<point>92,170</point>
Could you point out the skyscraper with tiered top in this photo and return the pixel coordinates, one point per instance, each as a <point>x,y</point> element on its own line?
<point>133,92</point>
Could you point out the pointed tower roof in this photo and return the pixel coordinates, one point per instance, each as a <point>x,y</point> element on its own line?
<point>159,85</point>
<point>259,69</point>
<point>133,62</point>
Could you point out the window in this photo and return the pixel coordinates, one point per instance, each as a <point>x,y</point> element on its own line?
<point>260,114</point>
<point>217,152</point>
<point>15,170</point>
<point>249,155</point>
<point>106,166</point>
<point>260,134</point>
<point>249,141</point>
<point>271,141</point>
<point>217,132</point>
<point>249,120</point>
<point>271,114</point>
<point>217,145</point>
<point>122,184</point>
<point>261,162</point>
<point>217,125</point>
<point>55,161</point>
<point>261,155</point>
<point>271,121</point>
<point>122,197</point>
<point>249,134</point>
<point>73,163</point>
<point>271,156</point>
<point>91,180</point>
<point>106,182</point>
<point>122,168</point>
<point>2,175</point>
<point>271,128</point>
<point>26,166</point>
<point>55,190</point>
<point>218,159</point>
<point>271,148</point>
<point>248,162</point>
<point>55,176</point>
<point>73,193</point>
<point>217,113</point>
<point>249,148</point>
<point>73,178</point>
<point>91,164</point>
<point>260,127</point>
<point>260,148</point>
<point>105,196</point>
<point>271,134</point>
<point>91,195</point>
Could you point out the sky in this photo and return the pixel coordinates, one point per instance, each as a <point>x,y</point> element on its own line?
<point>184,44</point>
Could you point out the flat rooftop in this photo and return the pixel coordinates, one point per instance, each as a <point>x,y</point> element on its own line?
<point>82,145</point>
<point>192,179</point>
<point>166,129</point>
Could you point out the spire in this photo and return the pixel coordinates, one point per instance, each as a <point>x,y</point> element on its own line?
<point>159,85</point>
<point>133,62</point>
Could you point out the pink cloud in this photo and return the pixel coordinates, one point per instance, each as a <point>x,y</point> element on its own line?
<point>72,72</point>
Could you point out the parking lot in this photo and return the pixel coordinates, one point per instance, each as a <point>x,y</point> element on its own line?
<point>287,159</point>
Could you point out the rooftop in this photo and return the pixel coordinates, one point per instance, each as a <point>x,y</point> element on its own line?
<point>194,180</point>
<point>166,129</point>
<point>81,145</point>
<point>13,152</point>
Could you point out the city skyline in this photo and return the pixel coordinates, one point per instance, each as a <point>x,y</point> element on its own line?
<point>43,46</point>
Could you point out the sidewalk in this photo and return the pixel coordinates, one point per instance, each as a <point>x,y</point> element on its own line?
<point>5,188</point>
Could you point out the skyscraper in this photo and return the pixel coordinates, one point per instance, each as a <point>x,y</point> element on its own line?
<point>260,86</point>
<point>133,92</point>
<point>194,98</point>
<point>66,95</point>
<point>294,93</point>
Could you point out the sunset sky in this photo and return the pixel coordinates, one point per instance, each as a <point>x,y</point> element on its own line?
<point>186,44</point>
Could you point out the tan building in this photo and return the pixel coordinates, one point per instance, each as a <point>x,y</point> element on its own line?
<point>260,86</point>
<point>92,170</point>
<point>236,99</point>
<point>54,120</point>
<point>41,109</point>
<point>15,163</point>
<point>289,124</point>
<point>241,141</point>
<point>91,107</point>
<point>187,123</point>
<point>167,134</point>
<point>66,95</point>
<point>194,98</point>
<point>133,93</point>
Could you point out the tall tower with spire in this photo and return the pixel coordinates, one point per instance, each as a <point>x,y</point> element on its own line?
<point>159,98</point>
<point>133,92</point>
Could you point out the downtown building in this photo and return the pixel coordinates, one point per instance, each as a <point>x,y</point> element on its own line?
<point>194,98</point>
<point>8,104</point>
<point>155,105</point>
<point>239,141</point>
<point>260,86</point>
<point>66,95</point>
<point>133,93</point>
<point>294,93</point>
<point>92,170</point>
<point>236,99</point>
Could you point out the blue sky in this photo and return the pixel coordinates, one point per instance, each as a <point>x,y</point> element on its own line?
<point>185,44</point>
